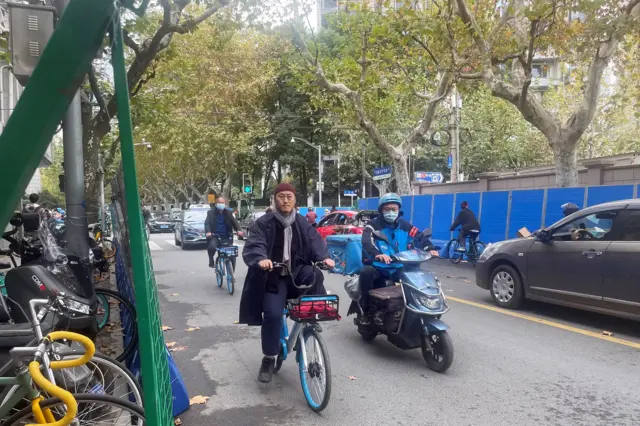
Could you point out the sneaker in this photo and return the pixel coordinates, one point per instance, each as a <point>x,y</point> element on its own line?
<point>461,250</point>
<point>266,369</point>
<point>211,264</point>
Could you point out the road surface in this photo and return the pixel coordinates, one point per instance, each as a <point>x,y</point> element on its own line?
<point>546,366</point>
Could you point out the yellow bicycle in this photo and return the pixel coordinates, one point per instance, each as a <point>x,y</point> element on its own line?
<point>63,408</point>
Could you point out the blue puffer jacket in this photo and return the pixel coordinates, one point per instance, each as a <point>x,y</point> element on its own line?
<point>402,235</point>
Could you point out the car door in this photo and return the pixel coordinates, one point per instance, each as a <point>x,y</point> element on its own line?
<point>621,285</point>
<point>339,224</point>
<point>570,265</point>
<point>325,225</point>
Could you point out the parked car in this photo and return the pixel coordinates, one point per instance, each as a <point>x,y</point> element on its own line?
<point>247,223</point>
<point>344,222</point>
<point>189,230</point>
<point>587,260</point>
<point>161,224</point>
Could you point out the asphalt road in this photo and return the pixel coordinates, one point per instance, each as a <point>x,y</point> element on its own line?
<point>549,366</point>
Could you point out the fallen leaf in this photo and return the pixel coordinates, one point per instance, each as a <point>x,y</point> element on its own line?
<point>171,344</point>
<point>192,329</point>
<point>177,422</point>
<point>198,399</point>
<point>166,328</point>
<point>352,378</point>
<point>236,322</point>
<point>174,294</point>
<point>178,348</point>
<point>607,333</point>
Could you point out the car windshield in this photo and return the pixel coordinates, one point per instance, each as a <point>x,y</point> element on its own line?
<point>195,216</point>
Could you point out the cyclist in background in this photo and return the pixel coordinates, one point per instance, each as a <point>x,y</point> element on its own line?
<point>219,223</point>
<point>468,222</point>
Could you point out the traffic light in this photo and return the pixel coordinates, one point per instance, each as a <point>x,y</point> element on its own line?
<point>247,187</point>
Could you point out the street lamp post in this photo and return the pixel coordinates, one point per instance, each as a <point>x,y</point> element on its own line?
<point>319,148</point>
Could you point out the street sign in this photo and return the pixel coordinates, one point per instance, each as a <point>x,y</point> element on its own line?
<point>319,186</point>
<point>350,193</point>
<point>450,161</point>
<point>380,173</point>
<point>431,177</point>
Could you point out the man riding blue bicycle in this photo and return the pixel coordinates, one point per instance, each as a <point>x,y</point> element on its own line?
<point>376,254</point>
<point>280,236</point>
<point>468,223</point>
<point>219,226</point>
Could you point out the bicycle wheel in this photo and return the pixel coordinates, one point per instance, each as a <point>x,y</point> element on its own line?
<point>120,323</point>
<point>108,248</point>
<point>478,248</point>
<point>92,410</point>
<point>454,255</point>
<point>315,377</point>
<point>230,279</point>
<point>219,272</point>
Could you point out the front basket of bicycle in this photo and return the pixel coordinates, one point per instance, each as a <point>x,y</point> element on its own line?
<point>229,250</point>
<point>314,308</point>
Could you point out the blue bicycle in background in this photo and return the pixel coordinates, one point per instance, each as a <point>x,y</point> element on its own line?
<point>311,352</point>
<point>224,265</point>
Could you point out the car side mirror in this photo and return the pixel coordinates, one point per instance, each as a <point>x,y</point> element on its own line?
<point>544,236</point>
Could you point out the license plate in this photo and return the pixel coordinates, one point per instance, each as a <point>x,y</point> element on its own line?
<point>164,226</point>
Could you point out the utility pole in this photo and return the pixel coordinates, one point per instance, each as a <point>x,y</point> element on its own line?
<point>76,220</point>
<point>364,171</point>
<point>102,202</point>
<point>339,199</point>
<point>455,134</point>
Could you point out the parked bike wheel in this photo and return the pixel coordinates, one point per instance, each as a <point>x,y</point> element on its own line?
<point>92,409</point>
<point>454,255</point>
<point>230,278</point>
<point>116,318</point>
<point>478,247</point>
<point>315,376</point>
<point>219,272</point>
<point>437,351</point>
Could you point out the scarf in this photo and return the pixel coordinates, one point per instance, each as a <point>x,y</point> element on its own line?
<point>286,222</point>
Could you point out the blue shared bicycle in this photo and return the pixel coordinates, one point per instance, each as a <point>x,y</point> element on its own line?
<point>224,266</point>
<point>312,356</point>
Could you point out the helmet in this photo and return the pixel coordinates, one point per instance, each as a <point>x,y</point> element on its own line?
<point>569,208</point>
<point>389,199</point>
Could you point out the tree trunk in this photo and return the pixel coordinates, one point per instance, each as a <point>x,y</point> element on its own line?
<point>401,173</point>
<point>566,162</point>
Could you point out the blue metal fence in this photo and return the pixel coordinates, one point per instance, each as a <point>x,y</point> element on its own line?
<point>502,213</point>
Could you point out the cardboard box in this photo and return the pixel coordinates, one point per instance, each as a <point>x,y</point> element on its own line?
<point>523,233</point>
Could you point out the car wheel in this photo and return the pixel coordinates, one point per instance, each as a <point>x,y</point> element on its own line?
<point>506,287</point>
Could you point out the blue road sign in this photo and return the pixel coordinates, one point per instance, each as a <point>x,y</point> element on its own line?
<point>350,192</point>
<point>431,177</point>
<point>450,161</point>
<point>382,172</point>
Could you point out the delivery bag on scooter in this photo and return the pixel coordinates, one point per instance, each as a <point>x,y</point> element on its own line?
<point>346,251</point>
<point>388,299</point>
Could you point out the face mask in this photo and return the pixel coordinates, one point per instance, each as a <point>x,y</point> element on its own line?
<point>390,217</point>
<point>220,206</point>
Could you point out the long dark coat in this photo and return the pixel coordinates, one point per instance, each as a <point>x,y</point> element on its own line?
<point>259,246</point>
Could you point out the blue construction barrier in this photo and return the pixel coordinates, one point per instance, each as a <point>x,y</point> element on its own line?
<point>501,213</point>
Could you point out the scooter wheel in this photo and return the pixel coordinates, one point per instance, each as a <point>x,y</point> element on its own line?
<point>437,351</point>
<point>367,336</point>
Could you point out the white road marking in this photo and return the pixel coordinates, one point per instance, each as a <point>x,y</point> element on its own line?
<point>154,247</point>
<point>170,242</point>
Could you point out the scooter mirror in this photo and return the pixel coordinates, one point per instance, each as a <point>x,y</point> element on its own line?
<point>427,232</point>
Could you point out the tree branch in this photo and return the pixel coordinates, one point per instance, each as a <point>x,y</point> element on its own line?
<point>427,49</point>
<point>95,88</point>
<point>527,64</point>
<point>130,42</point>
<point>191,24</point>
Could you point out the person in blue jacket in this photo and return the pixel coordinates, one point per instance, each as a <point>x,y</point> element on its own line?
<point>376,254</point>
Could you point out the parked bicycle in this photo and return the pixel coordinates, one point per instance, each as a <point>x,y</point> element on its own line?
<point>314,368</point>
<point>224,265</point>
<point>472,250</point>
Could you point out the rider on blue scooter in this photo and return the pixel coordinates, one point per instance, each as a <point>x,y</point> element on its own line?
<point>376,254</point>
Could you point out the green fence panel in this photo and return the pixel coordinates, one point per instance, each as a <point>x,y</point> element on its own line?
<point>153,358</point>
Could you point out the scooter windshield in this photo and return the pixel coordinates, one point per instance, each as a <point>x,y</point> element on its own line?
<point>412,256</point>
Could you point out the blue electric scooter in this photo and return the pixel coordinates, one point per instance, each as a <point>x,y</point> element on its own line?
<point>408,312</point>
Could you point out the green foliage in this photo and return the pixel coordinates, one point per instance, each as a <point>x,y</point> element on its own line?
<point>49,176</point>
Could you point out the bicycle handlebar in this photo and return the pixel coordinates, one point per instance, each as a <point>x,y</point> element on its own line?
<point>319,265</point>
<point>45,417</point>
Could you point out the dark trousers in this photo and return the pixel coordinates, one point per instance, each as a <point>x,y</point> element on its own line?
<point>212,246</point>
<point>273,307</point>
<point>465,231</point>
<point>370,279</point>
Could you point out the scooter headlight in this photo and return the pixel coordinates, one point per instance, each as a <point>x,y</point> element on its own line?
<point>432,303</point>
<point>75,306</point>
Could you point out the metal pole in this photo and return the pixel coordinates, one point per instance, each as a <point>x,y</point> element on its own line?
<point>455,143</point>
<point>339,199</point>
<point>364,172</point>
<point>76,220</point>
<point>319,175</point>
<point>102,203</point>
